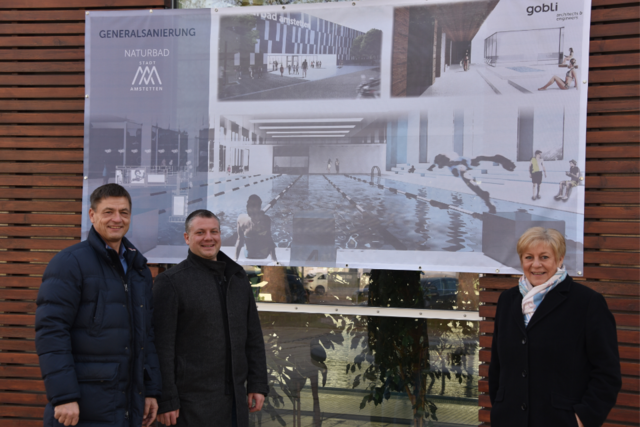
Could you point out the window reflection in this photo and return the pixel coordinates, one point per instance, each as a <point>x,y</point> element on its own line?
<point>359,370</point>
<point>343,286</point>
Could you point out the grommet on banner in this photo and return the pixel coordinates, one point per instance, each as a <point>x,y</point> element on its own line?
<point>346,265</point>
<point>584,82</point>
<point>86,177</point>
<point>215,10</point>
<point>86,96</point>
<point>87,12</point>
<point>353,4</point>
<point>150,10</point>
<point>579,273</point>
<point>336,309</point>
<point>497,271</point>
<point>283,7</point>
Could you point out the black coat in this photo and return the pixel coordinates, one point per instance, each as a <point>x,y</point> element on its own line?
<point>94,339</point>
<point>192,343</point>
<point>564,362</point>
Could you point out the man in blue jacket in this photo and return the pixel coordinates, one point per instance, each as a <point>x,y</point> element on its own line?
<point>94,330</point>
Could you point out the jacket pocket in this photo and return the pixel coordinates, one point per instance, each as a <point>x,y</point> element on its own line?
<point>564,409</point>
<point>98,313</point>
<point>98,383</point>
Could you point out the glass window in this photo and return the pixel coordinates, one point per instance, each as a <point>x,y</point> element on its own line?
<point>367,370</point>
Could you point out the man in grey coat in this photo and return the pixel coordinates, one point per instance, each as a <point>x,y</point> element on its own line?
<point>208,335</point>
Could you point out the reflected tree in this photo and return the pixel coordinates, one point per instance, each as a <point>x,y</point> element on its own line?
<point>395,351</point>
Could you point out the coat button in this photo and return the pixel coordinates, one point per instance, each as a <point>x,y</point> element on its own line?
<point>524,341</point>
<point>524,373</point>
<point>126,348</point>
<point>524,407</point>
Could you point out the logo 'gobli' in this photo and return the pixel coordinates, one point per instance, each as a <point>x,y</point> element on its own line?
<point>147,76</point>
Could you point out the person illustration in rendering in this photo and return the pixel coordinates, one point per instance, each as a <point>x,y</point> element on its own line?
<point>94,334</point>
<point>461,166</point>
<point>554,354</point>
<point>536,168</point>
<point>208,335</point>
<point>567,186</point>
<point>569,77</point>
<point>138,176</point>
<point>412,169</point>
<point>281,71</point>
<point>329,166</point>
<point>567,58</point>
<point>305,65</point>
<point>465,61</point>
<point>337,163</point>
<point>254,232</point>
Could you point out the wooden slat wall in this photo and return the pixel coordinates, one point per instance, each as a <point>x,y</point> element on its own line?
<point>612,229</point>
<point>41,128</point>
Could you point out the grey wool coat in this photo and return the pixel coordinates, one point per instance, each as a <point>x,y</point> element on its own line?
<point>192,343</point>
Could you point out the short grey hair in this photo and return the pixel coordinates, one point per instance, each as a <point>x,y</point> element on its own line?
<point>200,213</point>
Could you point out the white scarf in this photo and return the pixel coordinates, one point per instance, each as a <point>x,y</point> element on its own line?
<point>532,296</point>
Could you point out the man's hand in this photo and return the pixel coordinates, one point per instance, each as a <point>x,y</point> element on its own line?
<point>67,414</point>
<point>169,418</point>
<point>579,422</point>
<point>150,411</point>
<point>255,401</point>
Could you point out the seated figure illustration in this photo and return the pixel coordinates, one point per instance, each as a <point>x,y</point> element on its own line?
<point>460,167</point>
<point>254,232</point>
<point>566,186</point>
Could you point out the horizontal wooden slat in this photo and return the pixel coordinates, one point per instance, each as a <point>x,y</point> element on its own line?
<point>40,155</point>
<point>43,80</point>
<point>612,182</point>
<point>17,332</point>
<point>48,143</point>
<point>26,256</point>
<point>40,193</point>
<point>17,319</point>
<point>21,411</point>
<point>613,151</point>
<point>42,15</point>
<point>16,307</point>
<point>614,76</point>
<point>616,45</point>
<point>49,206</point>
<point>613,166</point>
<point>624,337</point>
<point>615,14</point>
<point>612,212</point>
<point>614,60</point>
<point>23,399</point>
<point>21,385</point>
<point>613,273</point>
<point>20,371</point>
<point>39,232</point>
<point>21,268</point>
<point>16,422</point>
<point>603,3</point>
<point>41,117</point>
<point>60,28</point>
<point>36,244</point>
<point>39,41</point>
<point>611,227</point>
<point>19,294</point>
<point>603,137</point>
<point>613,91</point>
<point>41,54</point>
<point>42,130</point>
<point>6,167</point>
<point>611,242</point>
<point>42,105</point>
<point>622,319</point>
<point>42,92</point>
<point>42,67</point>
<point>41,219</point>
<point>68,4</point>
<point>612,258</point>
<point>615,106</point>
<point>617,121</point>
<point>612,197</point>
<point>19,358</point>
<point>40,181</point>
<point>609,30</point>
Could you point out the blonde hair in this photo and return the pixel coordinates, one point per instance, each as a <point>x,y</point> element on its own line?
<point>549,236</point>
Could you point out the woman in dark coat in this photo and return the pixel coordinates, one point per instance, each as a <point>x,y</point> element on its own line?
<point>554,357</point>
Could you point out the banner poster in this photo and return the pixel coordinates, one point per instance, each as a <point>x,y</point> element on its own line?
<point>368,134</point>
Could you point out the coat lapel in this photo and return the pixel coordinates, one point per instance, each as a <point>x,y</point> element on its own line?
<point>550,302</point>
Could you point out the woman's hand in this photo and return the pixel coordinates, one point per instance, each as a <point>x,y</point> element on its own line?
<point>579,422</point>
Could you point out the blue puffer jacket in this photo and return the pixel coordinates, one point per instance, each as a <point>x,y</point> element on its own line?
<point>94,335</point>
